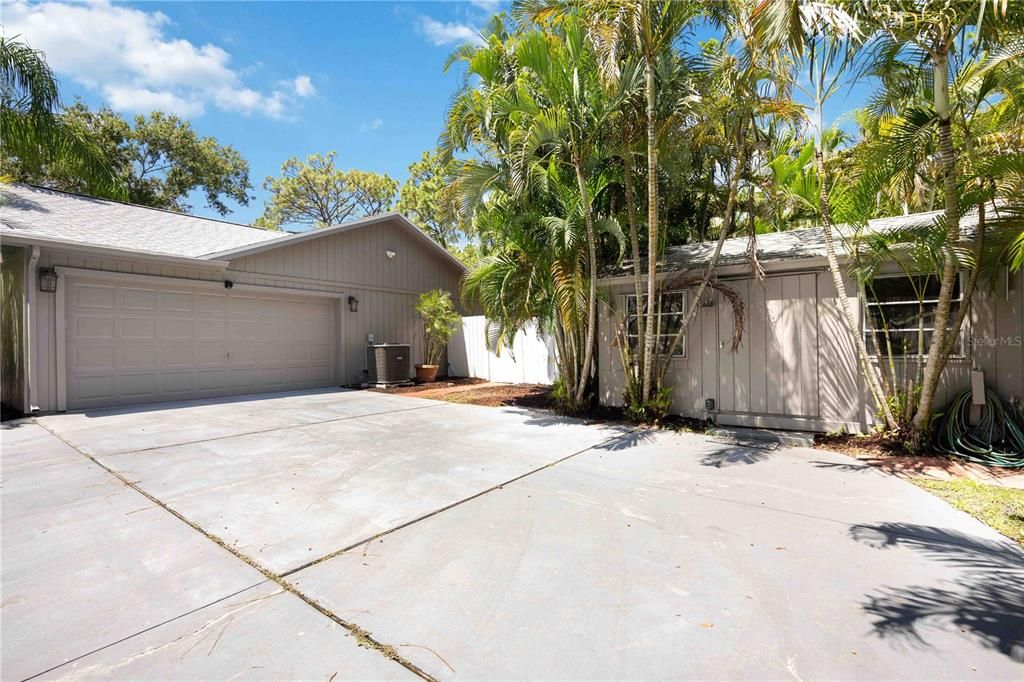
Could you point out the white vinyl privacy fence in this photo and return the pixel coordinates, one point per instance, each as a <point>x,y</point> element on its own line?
<point>529,360</point>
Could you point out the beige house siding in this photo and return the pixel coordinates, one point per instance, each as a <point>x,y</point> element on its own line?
<point>796,367</point>
<point>349,263</point>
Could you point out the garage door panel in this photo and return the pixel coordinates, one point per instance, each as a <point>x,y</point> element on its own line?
<point>257,376</point>
<point>96,387</point>
<point>207,304</point>
<point>94,357</point>
<point>137,328</point>
<point>176,355</point>
<point>297,354</point>
<point>177,382</point>
<point>174,328</point>
<point>137,385</point>
<point>212,380</point>
<point>136,356</point>
<point>94,296</point>
<point>210,355</point>
<point>128,343</point>
<point>321,352</point>
<point>175,302</point>
<point>211,330</point>
<point>298,375</point>
<point>89,327</point>
<point>138,299</point>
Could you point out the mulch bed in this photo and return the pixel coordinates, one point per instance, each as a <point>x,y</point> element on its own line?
<point>872,445</point>
<point>534,396</point>
<point>433,385</point>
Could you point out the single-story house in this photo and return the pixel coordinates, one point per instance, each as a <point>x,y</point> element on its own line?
<point>107,303</point>
<point>796,367</point>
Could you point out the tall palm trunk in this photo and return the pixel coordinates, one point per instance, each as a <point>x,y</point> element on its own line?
<point>634,241</point>
<point>588,349</point>
<point>936,361</point>
<point>652,228</point>
<point>871,373</point>
<point>709,270</point>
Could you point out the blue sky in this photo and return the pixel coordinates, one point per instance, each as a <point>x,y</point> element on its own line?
<point>273,79</point>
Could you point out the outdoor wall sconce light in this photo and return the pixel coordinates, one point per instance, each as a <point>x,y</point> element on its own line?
<point>708,299</point>
<point>47,280</point>
<point>389,253</point>
<point>353,304</point>
<point>228,284</point>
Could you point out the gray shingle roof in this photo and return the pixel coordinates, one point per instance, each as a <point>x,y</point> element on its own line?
<point>34,211</point>
<point>791,245</point>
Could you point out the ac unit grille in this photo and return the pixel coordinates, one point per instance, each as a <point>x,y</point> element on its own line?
<point>388,363</point>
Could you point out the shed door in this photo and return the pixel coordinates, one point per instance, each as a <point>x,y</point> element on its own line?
<point>129,343</point>
<point>774,373</point>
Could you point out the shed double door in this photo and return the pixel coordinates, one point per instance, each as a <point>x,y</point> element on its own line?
<point>136,343</point>
<point>772,379</point>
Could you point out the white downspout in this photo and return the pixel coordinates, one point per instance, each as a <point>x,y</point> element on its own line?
<point>31,277</point>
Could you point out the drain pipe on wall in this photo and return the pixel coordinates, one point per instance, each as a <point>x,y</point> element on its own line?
<point>32,282</point>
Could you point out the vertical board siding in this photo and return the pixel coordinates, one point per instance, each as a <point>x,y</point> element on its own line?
<point>797,365</point>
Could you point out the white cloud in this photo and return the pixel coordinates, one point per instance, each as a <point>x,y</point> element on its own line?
<point>446,33</point>
<point>142,99</point>
<point>125,54</point>
<point>303,86</point>
<point>486,5</point>
<point>375,124</point>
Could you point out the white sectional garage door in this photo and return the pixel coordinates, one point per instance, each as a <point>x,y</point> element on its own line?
<point>129,343</point>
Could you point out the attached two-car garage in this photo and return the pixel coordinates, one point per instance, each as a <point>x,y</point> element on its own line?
<point>139,341</point>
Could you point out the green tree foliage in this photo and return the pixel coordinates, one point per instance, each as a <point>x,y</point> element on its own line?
<point>315,192</point>
<point>159,159</point>
<point>35,137</point>
<point>440,320</point>
<point>427,199</point>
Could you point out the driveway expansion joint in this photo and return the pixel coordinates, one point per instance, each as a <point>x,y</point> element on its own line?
<point>424,517</point>
<point>253,433</point>
<point>363,637</point>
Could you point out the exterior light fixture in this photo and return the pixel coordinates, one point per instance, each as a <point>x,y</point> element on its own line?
<point>47,280</point>
<point>228,284</point>
<point>390,254</point>
<point>353,304</point>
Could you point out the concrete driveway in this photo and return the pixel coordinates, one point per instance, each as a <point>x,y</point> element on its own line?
<point>340,535</point>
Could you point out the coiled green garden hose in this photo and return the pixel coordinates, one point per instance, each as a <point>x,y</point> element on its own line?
<point>997,439</point>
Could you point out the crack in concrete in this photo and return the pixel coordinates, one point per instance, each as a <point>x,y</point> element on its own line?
<point>363,637</point>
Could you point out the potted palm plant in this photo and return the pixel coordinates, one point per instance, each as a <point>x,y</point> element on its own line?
<point>440,320</point>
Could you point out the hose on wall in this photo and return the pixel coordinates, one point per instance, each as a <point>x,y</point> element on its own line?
<point>997,439</point>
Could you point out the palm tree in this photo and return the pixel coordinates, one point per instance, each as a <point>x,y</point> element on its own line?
<point>537,118</point>
<point>32,129</point>
<point>821,39</point>
<point>935,32</point>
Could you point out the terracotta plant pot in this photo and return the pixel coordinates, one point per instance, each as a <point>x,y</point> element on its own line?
<point>426,373</point>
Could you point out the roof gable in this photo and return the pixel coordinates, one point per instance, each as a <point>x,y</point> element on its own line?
<point>320,233</point>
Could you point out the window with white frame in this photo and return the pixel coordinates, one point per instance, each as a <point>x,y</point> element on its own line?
<point>667,321</point>
<point>905,305</point>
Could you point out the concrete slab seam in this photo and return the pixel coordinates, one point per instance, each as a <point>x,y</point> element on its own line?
<point>259,431</point>
<point>362,636</point>
<point>457,503</point>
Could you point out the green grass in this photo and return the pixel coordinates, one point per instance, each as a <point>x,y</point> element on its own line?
<point>1000,508</point>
